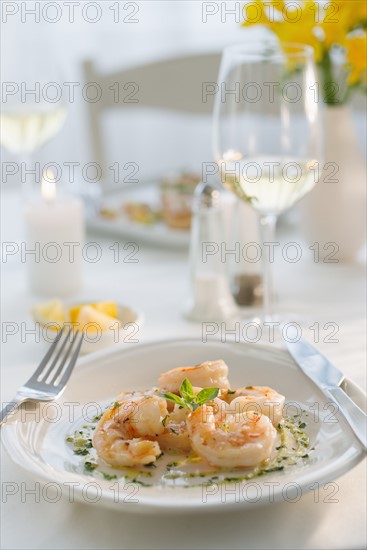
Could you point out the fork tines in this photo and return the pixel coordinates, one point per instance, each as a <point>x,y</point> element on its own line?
<point>55,369</point>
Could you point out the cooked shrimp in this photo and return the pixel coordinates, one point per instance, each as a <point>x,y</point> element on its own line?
<point>123,436</point>
<point>206,375</point>
<point>258,398</point>
<point>133,394</point>
<point>175,436</point>
<point>230,440</point>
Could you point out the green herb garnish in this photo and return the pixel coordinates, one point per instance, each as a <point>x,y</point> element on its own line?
<point>172,465</point>
<point>188,399</point>
<point>108,476</point>
<point>138,482</point>
<point>90,466</point>
<point>82,452</point>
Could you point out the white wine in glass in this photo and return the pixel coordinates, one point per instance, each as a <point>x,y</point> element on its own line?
<point>25,132</point>
<point>290,180</point>
<point>30,115</point>
<point>267,132</point>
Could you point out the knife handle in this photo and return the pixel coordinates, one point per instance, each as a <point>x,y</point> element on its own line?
<point>355,417</point>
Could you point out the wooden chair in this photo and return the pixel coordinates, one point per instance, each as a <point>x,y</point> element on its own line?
<point>172,84</point>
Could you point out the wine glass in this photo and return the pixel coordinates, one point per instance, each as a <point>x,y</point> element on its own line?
<point>33,104</point>
<point>267,133</point>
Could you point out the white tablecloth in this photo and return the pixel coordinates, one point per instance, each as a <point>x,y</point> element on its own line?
<point>158,285</point>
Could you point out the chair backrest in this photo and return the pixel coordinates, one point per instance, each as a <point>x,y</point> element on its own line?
<point>177,84</point>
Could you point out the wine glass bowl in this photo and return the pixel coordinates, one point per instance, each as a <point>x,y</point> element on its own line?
<point>24,129</point>
<point>33,107</point>
<point>267,131</point>
<point>33,104</point>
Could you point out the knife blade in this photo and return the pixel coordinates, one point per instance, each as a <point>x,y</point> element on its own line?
<point>328,378</point>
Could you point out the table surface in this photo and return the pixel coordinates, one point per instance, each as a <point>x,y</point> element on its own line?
<point>158,285</point>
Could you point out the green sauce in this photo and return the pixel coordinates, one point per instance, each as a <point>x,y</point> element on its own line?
<point>191,471</point>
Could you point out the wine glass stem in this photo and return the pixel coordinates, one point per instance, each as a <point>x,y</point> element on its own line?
<point>267,234</point>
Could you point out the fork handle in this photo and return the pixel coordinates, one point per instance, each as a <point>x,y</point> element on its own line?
<point>10,408</point>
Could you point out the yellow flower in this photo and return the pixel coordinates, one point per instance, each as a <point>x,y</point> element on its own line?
<point>357,58</point>
<point>286,32</point>
<point>299,27</point>
<point>340,18</point>
<point>289,25</point>
<point>320,25</point>
<point>352,12</point>
<point>334,26</point>
<point>363,13</point>
<point>255,14</point>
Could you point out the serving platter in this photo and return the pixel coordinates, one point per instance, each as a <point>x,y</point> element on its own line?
<point>158,234</point>
<point>37,443</point>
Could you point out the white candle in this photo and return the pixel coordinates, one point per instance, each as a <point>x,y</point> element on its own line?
<point>55,238</point>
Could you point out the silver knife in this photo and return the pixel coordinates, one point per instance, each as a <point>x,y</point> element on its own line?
<point>328,378</point>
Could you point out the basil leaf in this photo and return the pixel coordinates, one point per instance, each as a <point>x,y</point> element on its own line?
<point>186,390</point>
<point>205,395</point>
<point>172,397</point>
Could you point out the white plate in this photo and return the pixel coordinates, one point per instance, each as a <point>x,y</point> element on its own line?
<point>157,234</point>
<point>39,446</point>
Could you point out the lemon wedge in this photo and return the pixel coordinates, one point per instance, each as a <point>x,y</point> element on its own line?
<point>89,318</point>
<point>74,313</point>
<point>96,317</point>
<point>52,311</point>
<point>108,308</point>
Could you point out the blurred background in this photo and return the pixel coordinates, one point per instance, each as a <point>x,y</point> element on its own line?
<point>146,32</point>
<point>158,141</point>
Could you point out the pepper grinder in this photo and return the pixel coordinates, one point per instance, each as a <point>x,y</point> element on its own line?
<point>246,280</point>
<point>211,297</point>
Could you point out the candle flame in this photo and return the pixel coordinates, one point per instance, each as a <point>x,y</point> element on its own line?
<point>48,186</point>
<point>232,155</point>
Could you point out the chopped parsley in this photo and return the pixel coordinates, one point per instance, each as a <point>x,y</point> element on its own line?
<point>108,476</point>
<point>90,466</point>
<point>82,452</point>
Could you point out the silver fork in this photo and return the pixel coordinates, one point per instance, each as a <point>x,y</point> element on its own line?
<point>50,379</point>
